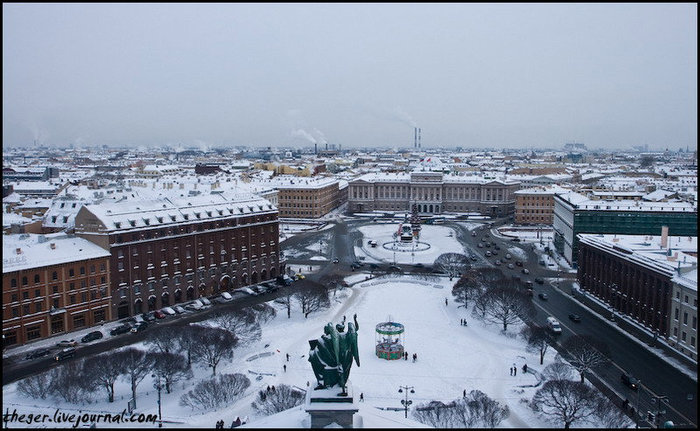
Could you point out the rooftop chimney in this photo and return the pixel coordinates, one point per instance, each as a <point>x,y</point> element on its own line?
<point>53,246</point>
<point>664,236</point>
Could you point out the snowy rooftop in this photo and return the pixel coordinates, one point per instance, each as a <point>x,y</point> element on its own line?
<point>548,190</point>
<point>583,202</point>
<point>35,251</point>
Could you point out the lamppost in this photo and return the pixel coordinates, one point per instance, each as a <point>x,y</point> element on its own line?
<point>406,402</point>
<point>158,387</point>
<point>636,413</point>
<point>659,412</point>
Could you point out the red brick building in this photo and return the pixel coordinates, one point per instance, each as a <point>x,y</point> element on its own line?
<point>167,251</point>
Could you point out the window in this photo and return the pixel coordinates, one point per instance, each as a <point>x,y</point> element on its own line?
<point>692,341</point>
<point>56,303</point>
<point>14,297</point>
<point>92,269</point>
<point>676,315</point>
<point>683,336</point>
<point>25,309</point>
<point>15,311</point>
<point>13,282</point>
<point>37,307</point>
<point>82,270</point>
<point>79,321</point>
<point>72,299</point>
<point>71,272</point>
<point>83,297</point>
<point>25,295</point>
<point>54,289</point>
<point>686,299</point>
<point>33,332</point>
<point>25,281</point>
<point>54,276</point>
<point>98,316</point>
<point>685,318</point>
<point>120,266</point>
<point>72,286</point>
<point>120,253</point>
<point>37,293</point>
<point>695,322</point>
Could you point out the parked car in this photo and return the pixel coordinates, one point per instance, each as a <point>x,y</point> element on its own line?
<point>248,290</point>
<point>480,245</point>
<point>629,381</point>
<point>496,246</point>
<point>575,317</point>
<point>168,311</point>
<point>495,252</point>
<point>39,353</point>
<point>64,354</point>
<point>508,256</point>
<point>139,327</point>
<point>67,343</point>
<point>539,280</point>
<point>224,298</point>
<point>515,239</point>
<point>543,296</point>
<point>473,233</point>
<point>205,301</point>
<point>497,262</point>
<point>510,266</point>
<point>526,271</point>
<point>354,266</point>
<point>336,260</point>
<point>92,336</point>
<point>159,314</point>
<point>488,253</point>
<point>195,305</point>
<point>473,258</point>
<point>178,309</point>
<point>518,263</point>
<point>121,329</point>
<point>299,276</point>
<point>149,317</point>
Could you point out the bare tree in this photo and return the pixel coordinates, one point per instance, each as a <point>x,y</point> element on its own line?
<point>242,323</point>
<point>163,339</point>
<point>286,300</point>
<point>586,353</point>
<point>503,305</point>
<point>332,282</point>
<point>611,416</point>
<point>452,263</point>
<point>436,414</point>
<point>35,387</point>
<point>215,392</point>
<point>263,312</point>
<point>468,288</point>
<point>490,411</point>
<point>104,371</point>
<point>311,299</point>
<point>538,339</point>
<point>69,382</point>
<point>558,370</point>
<point>565,401</point>
<point>213,345</point>
<point>171,367</point>
<point>137,363</point>
<point>282,398</point>
<point>186,340</point>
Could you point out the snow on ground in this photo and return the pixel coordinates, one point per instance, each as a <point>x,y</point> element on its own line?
<point>518,253</point>
<point>470,226</point>
<point>451,358</point>
<point>434,241</point>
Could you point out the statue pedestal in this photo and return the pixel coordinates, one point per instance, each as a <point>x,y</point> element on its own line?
<point>327,406</point>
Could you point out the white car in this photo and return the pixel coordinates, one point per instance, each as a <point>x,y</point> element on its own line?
<point>227,296</point>
<point>178,309</point>
<point>249,291</point>
<point>194,305</point>
<point>168,311</point>
<point>206,302</point>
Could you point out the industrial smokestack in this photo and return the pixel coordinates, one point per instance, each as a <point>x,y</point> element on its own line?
<point>315,148</point>
<point>415,137</point>
<point>419,138</point>
<point>664,236</point>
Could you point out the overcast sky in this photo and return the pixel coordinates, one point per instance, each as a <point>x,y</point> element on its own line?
<point>471,75</point>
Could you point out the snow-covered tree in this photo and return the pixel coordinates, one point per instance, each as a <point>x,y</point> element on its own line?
<point>172,368</point>
<point>213,345</point>
<point>452,263</point>
<point>585,353</point>
<point>312,298</point>
<point>538,339</point>
<point>504,306</point>
<point>104,371</point>
<point>215,392</point>
<point>137,363</point>
<point>35,387</point>
<point>283,397</point>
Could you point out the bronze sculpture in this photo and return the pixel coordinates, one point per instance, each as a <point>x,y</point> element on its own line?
<point>331,356</point>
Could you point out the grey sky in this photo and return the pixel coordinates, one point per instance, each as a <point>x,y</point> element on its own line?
<point>472,75</point>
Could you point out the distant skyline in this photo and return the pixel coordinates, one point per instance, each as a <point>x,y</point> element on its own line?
<point>610,76</point>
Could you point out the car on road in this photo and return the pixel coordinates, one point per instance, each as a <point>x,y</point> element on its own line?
<point>39,353</point>
<point>630,381</point>
<point>543,296</point>
<point>518,263</point>
<point>121,329</point>
<point>539,280</point>
<point>510,266</point>
<point>515,239</point>
<point>418,265</point>
<point>205,301</point>
<point>488,253</point>
<point>473,258</point>
<point>284,280</point>
<point>495,252</point>
<point>139,327</point>
<point>159,314</point>
<point>526,271</point>
<point>336,260</point>
<point>473,233</point>
<point>64,354</point>
<point>497,262</point>
<point>574,317</point>
<point>67,343</point>
<point>480,245</point>
<point>496,246</point>
<point>299,277</point>
<point>178,309</point>
<point>92,336</point>
<point>354,266</point>
<point>394,268</point>
<point>487,245</point>
<point>508,256</point>
<point>168,311</point>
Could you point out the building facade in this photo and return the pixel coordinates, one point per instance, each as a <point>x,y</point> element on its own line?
<point>652,283</point>
<point>575,213</point>
<point>535,206</point>
<point>432,192</point>
<point>166,251</point>
<point>302,198</point>
<point>51,285</point>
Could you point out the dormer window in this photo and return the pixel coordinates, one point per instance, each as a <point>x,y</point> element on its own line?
<point>117,224</point>
<point>186,216</point>
<point>147,221</point>
<point>208,213</point>
<point>160,219</point>
<point>132,223</point>
<point>172,218</point>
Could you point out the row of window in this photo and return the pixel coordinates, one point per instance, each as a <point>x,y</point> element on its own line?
<point>56,302</point>
<point>54,275</point>
<point>199,227</point>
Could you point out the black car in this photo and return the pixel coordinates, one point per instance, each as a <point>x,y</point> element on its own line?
<point>354,266</point>
<point>515,239</point>
<point>37,354</point>
<point>543,296</point>
<point>575,317</point>
<point>92,336</point>
<point>121,329</point>
<point>630,381</point>
<point>139,327</point>
<point>394,268</point>
<point>65,353</point>
<point>539,280</point>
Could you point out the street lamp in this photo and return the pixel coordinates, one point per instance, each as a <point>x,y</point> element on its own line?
<point>406,402</point>
<point>636,413</point>
<point>158,387</point>
<point>659,412</point>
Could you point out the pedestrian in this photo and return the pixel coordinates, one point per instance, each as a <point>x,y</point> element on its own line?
<point>273,388</point>
<point>285,367</point>
<point>268,388</point>
<point>515,371</point>
<point>511,371</point>
<point>287,357</point>
<point>307,383</point>
<point>525,368</point>
<point>445,301</point>
<point>362,396</point>
<point>309,267</point>
<point>461,322</point>
<point>464,393</point>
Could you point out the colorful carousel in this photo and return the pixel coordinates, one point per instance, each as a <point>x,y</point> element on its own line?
<point>389,340</point>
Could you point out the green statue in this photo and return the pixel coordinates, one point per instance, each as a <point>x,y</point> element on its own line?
<point>331,355</point>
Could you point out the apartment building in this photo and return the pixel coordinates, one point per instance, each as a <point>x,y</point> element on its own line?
<point>52,284</point>
<point>535,206</point>
<point>307,197</point>
<point>165,251</point>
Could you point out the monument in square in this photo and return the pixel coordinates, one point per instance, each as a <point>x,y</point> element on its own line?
<point>331,356</point>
